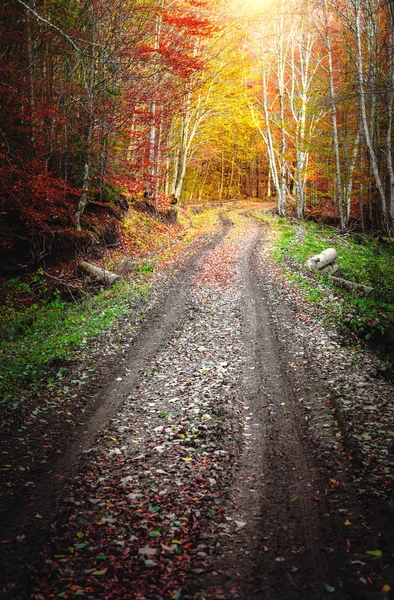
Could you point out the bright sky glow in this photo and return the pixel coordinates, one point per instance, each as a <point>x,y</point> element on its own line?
<point>251,8</point>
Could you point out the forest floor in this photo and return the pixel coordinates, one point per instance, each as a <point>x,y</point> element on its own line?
<point>211,455</point>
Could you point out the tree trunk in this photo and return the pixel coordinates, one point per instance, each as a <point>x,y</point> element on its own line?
<point>338,177</point>
<point>363,110</point>
<point>107,278</point>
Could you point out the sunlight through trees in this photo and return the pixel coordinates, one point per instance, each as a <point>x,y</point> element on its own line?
<point>198,102</point>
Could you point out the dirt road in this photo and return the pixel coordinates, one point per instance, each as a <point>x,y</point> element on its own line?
<point>212,466</point>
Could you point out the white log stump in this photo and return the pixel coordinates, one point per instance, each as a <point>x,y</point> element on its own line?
<point>319,261</point>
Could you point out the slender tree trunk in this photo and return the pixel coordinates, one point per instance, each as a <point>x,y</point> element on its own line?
<point>390,106</point>
<point>152,184</point>
<point>89,77</point>
<point>363,111</point>
<point>338,176</point>
<point>347,192</point>
<point>32,94</point>
<point>281,86</point>
<point>221,178</point>
<point>361,193</point>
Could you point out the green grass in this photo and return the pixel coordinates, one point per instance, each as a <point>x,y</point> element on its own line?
<point>34,337</point>
<point>364,260</point>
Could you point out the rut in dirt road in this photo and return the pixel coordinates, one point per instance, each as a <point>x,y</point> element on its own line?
<point>207,478</point>
<point>281,551</point>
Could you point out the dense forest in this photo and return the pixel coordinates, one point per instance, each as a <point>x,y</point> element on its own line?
<point>109,102</point>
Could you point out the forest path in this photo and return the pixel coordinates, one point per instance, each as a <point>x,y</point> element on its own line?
<point>212,467</point>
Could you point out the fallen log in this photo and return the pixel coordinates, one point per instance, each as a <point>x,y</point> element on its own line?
<point>330,269</point>
<point>319,261</point>
<point>365,290</point>
<point>107,278</point>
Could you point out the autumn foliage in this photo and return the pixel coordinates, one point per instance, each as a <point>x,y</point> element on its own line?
<point>88,93</point>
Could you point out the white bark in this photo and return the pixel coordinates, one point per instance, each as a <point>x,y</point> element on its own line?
<point>347,192</point>
<point>319,261</point>
<point>338,179</point>
<point>363,110</point>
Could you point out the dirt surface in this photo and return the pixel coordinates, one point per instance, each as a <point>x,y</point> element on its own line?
<point>216,460</point>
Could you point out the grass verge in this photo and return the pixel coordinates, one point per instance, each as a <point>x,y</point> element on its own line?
<point>50,333</point>
<point>362,259</point>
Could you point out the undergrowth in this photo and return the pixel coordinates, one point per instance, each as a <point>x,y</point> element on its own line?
<point>362,259</point>
<point>54,332</point>
<point>39,331</point>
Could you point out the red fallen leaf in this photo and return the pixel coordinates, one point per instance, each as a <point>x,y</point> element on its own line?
<point>316,498</point>
<point>6,541</point>
<point>294,569</point>
<point>348,544</point>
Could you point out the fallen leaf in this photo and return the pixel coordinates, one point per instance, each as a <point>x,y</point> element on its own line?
<point>100,571</point>
<point>150,563</point>
<point>147,551</point>
<point>329,588</point>
<point>386,588</point>
<point>156,532</point>
<point>375,553</point>
<point>347,522</point>
<point>240,524</point>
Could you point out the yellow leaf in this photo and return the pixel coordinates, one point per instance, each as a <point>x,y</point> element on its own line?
<point>176,542</point>
<point>386,588</point>
<point>375,553</point>
<point>347,522</point>
<point>100,571</point>
<point>186,458</point>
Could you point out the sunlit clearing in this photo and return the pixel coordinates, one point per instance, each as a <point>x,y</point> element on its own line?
<point>251,8</point>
